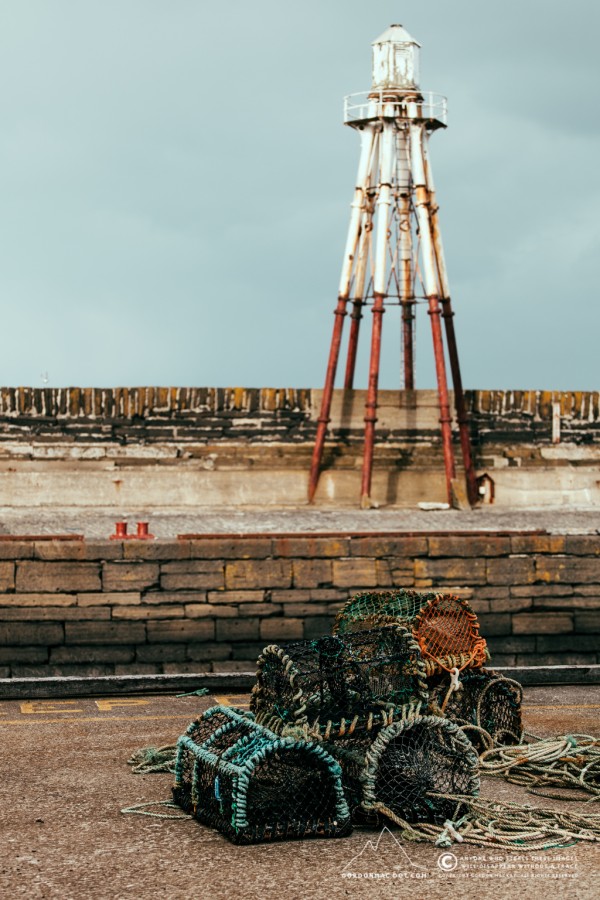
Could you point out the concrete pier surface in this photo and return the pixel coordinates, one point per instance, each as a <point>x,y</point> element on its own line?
<point>65,780</point>
<point>99,523</point>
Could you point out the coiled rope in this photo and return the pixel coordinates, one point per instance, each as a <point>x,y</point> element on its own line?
<point>507,825</point>
<point>570,761</point>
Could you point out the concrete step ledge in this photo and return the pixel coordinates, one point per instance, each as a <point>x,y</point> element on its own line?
<point>234,682</point>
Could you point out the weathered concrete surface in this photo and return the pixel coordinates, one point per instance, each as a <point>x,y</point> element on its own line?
<point>64,781</point>
<point>167,523</point>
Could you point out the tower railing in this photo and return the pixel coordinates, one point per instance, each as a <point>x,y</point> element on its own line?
<point>424,106</point>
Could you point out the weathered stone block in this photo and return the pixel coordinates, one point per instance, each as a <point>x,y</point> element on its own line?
<point>311,573</point>
<point>566,604</point>
<point>569,569</point>
<point>311,547</point>
<point>469,545</point>
<point>537,543</point>
<point>542,623</point>
<point>236,597</point>
<point>248,574</point>
<point>514,643</point>
<point>278,630</point>
<point>38,599</point>
<point>396,546</point>
<point>494,623</point>
<point>57,577</point>
<point>104,632</point>
<point>541,590</point>
<point>452,571</point>
<point>583,544</point>
<point>16,549</point>
<point>260,609</point>
<point>177,598</point>
<point>182,631</point>
<point>322,595</point>
<point>160,653</point>
<point>132,613</point>
<point>92,654</point>
<point>78,550</point>
<point>588,621</point>
<point>24,654</point>
<point>248,651</point>
<point>188,582</point>
<point>510,604</point>
<point>234,665</point>
<point>54,613</point>
<point>150,550</point>
<point>186,668</point>
<point>205,652</point>
<point>129,576</point>
<point>239,547</point>
<point>116,598</point>
<point>246,629</point>
<point>512,570</point>
<point>137,668</point>
<point>550,643</point>
<point>294,596</point>
<point>307,609</point>
<point>23,633</point>
<point>206,610</point>
<point>355,571</point>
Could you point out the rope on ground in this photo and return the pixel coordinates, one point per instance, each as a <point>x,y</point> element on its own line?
<point>568,762</point>
<point>149,760</point>
<point>141,809</point>
<point>201,692</point>
<point>507,825</point>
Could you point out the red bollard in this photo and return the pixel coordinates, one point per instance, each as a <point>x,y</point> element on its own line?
<point>142,532</point>
<point>120,532</point>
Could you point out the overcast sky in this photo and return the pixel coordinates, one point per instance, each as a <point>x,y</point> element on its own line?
<point>175,182</point>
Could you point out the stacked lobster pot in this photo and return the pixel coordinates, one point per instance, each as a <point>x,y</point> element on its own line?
<point>363,695</point>
<point>254,785</point>
<point>484,703</point>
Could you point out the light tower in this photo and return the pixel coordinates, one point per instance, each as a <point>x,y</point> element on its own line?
<point>394,253</point>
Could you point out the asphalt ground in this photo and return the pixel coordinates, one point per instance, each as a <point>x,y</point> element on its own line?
<point>168,523</point>
<point>65,780</point>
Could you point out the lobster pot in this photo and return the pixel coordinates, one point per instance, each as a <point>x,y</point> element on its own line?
<point>253,785</point>
<point>444,626</point>
<point>412,763</point>
<point>337,686</point>
<point>486,702</point>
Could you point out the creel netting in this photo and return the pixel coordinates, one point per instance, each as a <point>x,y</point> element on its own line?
<point>444,626</point>
<point>336,686</point>
<point>253,785</point>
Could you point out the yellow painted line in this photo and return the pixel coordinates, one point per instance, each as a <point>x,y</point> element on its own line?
<point>187,716</point>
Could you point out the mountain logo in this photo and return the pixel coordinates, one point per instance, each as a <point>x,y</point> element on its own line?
<point>386,840</point>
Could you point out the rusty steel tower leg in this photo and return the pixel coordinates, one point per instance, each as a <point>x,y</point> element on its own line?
<point>448,316</point>
<point>442,384</point>
<point>354,231</point>
<point>418,138</point>
<point>371,404</point>
<point>387,160</point>
<point>323,419</point>
<point>359,296</point>
<point>459,403</point>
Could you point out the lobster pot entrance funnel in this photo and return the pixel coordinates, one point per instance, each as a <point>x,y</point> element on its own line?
<point>413,764</point>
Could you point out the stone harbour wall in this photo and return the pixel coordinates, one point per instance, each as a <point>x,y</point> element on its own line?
<point>211,603</point>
